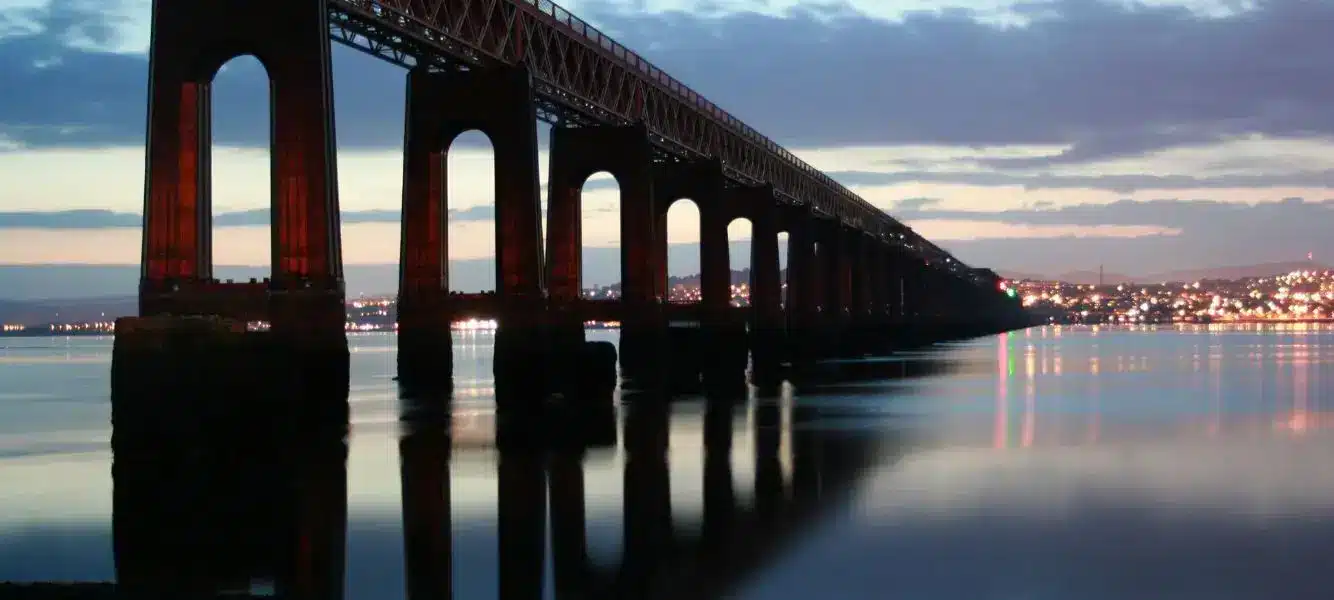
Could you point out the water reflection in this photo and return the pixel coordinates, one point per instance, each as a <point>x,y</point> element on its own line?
<point>259,505</point>
<point>1019,466</point>
<point>228,509</point>
<point>542,511</point>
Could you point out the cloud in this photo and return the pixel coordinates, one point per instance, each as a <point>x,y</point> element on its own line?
<point>1202,233</point>
<point>105,219</point>
<point>1190,215</point>
<point>1106,78</point>
<point>915,204</point>
<point>1100,78</point>
<point>1124,183</point>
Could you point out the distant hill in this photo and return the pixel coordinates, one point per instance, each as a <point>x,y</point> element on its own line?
<point>1017,275</point>
<point>76,309</point>
<point>1238,272</point>
<point>1091,278</point>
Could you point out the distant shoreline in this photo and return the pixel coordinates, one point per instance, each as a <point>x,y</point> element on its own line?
<point>34,333</point>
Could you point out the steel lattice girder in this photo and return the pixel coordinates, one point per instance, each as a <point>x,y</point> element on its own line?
<point>582,77</point>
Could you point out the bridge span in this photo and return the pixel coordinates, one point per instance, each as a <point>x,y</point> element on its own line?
<point>857,278</point>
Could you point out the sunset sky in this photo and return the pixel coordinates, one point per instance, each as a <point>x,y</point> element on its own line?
<point>1031,136</point>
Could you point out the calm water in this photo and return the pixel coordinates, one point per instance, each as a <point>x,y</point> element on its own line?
<point>1053,463</point>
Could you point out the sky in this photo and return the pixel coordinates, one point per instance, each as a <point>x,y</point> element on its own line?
<point>1040,136</point>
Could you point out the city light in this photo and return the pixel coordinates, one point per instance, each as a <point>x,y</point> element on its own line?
<point>1295,296</point>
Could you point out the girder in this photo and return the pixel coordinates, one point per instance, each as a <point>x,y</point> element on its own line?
<point>583,78</point>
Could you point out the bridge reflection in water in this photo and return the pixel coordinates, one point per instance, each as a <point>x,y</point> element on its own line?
<point>264,510</point>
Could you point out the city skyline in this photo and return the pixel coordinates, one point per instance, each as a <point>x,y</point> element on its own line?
<point>1037,137</point>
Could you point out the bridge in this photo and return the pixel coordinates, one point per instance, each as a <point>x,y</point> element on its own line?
<point>502,67</point>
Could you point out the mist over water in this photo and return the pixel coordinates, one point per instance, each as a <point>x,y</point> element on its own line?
<point>1172,462</point>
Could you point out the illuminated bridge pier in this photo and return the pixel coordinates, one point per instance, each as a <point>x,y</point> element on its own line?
<point>859,281</point>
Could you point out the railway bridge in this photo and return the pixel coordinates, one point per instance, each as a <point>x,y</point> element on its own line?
<point>506,67</point>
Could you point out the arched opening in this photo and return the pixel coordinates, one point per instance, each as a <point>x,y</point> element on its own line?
<point>782,268</point>
<point>600,228</point>
<point>683,261</point>
<point>739,254</point>
<point>369,195</point>
<point>239,181</point>
<point>470,166</point>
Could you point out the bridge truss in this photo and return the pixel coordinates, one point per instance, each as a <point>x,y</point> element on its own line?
<point>584,78</point>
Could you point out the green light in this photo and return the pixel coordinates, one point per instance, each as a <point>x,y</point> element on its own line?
<point>1010,292</point>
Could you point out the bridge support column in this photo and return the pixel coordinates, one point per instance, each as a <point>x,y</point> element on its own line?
<point>888,295</point>
<point>932,307</point>
<point>441,106</point>
<point>833,280</point>
<point>862,330</point>
<point>304,299</point>
<point>915,318</point>
<point>425,347</point>
<point>845,342</point>
<point>767,335</point>
<point>803,281</point>
<point>190,43</point>
<point>893,269</point>
<point>625,152</point>
<point>956,305</point>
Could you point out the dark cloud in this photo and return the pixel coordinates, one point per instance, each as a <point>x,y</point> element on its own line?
<point>1111,78</point>
<point>1189,215</point>
<point>103,219</point>
<point>1117,183</point>
<point>1209,233</point>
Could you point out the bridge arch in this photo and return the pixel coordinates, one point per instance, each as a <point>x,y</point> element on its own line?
<point>236,158</point>
<point>601,201</point>
<point>681,241</point>
<point>470,209</point>
<point>741,258</point>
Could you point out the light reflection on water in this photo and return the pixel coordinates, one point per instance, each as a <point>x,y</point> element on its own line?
<point>1057,462</point>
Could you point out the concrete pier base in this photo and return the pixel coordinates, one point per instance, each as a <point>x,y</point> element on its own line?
<point>727,353</point>
<point>521,364</point>
<point>426,356</point>
<point>229,459</point>
<point>642,348</point>
<point>192,373</point>
<point>769,356</point>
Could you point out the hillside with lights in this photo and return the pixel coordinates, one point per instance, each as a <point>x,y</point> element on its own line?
<point>1291,297</point>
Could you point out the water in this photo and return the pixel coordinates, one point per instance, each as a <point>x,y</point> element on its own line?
<point>1054,463</point>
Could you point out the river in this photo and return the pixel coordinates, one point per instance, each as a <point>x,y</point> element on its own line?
<point>1057,462</point>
